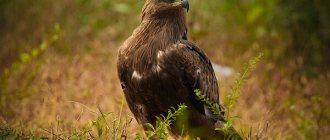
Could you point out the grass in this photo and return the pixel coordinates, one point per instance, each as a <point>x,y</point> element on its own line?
<point>163,122</point>
<point>101,128</point>
<point>230,102</point>
<point>64,89</point>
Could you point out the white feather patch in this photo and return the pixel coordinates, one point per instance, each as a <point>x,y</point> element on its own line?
<point>156,68</point>
<point>160,55</point>
<point>136,75</point>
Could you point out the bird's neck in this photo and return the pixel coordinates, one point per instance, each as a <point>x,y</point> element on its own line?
<point>152,36</point>
<point>167,29</point>
<point>157,33</point>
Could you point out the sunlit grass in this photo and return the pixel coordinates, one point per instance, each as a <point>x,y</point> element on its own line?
<point>48,78</point>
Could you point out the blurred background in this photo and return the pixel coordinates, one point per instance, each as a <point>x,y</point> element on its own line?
<point>58,63</point>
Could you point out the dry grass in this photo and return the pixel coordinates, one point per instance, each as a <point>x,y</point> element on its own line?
<point>68,89</point>
<point>65,89</point>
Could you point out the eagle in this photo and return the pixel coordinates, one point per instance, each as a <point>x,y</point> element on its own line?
<point>159,68</point>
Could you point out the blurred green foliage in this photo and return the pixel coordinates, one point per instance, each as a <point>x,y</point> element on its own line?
<point>285,28</point>
<point>294,34</point>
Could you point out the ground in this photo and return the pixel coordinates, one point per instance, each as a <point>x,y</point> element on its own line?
<point>59,76</point>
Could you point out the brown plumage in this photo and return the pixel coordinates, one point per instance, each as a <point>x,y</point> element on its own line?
<point>158,69</point>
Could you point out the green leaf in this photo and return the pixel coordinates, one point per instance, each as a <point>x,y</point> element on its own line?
<point>34,52</point>
<point>150,126</point>
<point>25,58</point>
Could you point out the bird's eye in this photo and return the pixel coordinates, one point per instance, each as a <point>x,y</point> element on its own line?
<point>123,86</point>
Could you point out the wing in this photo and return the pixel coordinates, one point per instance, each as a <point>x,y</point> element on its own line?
<point>197,73</point>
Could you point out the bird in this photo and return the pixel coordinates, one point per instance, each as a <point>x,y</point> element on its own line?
<point>159,68</point>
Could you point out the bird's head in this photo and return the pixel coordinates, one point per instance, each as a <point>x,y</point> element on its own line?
<point>164,7</point>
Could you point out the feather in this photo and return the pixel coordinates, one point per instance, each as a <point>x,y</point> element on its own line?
<point>159,68</point>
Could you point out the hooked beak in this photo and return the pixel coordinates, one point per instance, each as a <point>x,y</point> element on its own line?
<point>185,4</point>
<point>182,3</point>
